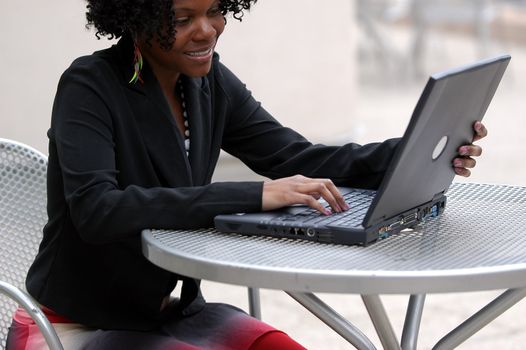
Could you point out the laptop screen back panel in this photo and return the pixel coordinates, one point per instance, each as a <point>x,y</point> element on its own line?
<point>422,170</point>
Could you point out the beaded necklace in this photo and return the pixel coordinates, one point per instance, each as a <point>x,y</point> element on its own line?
<point>185,117</point>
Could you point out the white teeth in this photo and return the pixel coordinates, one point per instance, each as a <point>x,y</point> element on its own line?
<point>199,53</point>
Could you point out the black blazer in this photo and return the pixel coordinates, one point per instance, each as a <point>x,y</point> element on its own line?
<point>117,165</point>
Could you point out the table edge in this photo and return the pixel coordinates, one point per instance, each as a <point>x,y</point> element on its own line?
<point>334,281</point>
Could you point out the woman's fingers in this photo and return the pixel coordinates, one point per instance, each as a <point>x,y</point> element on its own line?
<point>462,165</point>
<point>302,190</point>
<point>480,131</point>
<point>462,172</point>
<point>470,150</point>
<point>465,162</point>
<point>326,190</point>
<point>311,202</point>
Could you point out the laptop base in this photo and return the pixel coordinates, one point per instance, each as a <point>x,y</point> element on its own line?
<point>334,234</point>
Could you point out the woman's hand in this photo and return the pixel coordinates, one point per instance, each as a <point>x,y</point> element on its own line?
<point>465,162</point>
<point>302,190</point>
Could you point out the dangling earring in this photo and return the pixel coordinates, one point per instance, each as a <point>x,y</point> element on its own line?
<point>137,65</point>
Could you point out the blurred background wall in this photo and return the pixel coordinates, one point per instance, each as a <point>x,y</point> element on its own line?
<point>38,40</point>
<point>401,42</point>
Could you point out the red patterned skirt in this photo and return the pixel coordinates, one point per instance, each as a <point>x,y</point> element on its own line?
<point>216,327</point>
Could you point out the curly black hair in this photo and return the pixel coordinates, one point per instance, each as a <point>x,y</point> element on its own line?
<point>151,18</point>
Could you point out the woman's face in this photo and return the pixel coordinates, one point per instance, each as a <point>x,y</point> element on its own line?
<point>198,23</point>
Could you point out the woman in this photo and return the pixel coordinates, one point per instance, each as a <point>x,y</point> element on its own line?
<point>135,135</point>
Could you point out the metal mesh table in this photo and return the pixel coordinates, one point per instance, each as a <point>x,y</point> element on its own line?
<point>476,244</point>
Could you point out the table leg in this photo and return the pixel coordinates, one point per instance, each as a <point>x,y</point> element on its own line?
<point>381,322</point>
<point>334,320</point>
<point>481,318</point>
<point>254,306</point>
<point>412,321</point>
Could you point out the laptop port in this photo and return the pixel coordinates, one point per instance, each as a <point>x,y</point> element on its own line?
<point>383,233</point>
<point>395,225</point>
<point>410,220</point>
<point>296,231</point>
<point>311,232</point>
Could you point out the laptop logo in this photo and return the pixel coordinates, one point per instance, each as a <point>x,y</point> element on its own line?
<point>439,148</point>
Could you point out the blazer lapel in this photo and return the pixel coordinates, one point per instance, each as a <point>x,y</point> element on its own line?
<point>161,137</point>
<point>164,142</point>
<point>199,109</point>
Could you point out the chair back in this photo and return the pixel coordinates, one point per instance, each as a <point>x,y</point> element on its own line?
<point>22,217</point>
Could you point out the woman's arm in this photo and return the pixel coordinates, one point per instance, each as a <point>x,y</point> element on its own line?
<point>274,151</point>
<point>280,153</point>
<point>91,134</point>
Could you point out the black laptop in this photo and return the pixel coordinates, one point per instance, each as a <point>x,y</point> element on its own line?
<point>414,186</point>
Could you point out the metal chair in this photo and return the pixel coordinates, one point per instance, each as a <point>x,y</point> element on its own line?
<point>22,217</point>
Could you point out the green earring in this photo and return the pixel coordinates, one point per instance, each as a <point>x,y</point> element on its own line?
<point>137,66</point>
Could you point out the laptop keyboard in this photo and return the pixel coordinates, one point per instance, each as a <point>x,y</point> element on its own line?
<point>358,201</point>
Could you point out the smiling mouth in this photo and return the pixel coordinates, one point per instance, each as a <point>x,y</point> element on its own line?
<point>201,53</point>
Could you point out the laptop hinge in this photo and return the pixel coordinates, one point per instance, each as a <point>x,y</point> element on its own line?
<point>439,195</point>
